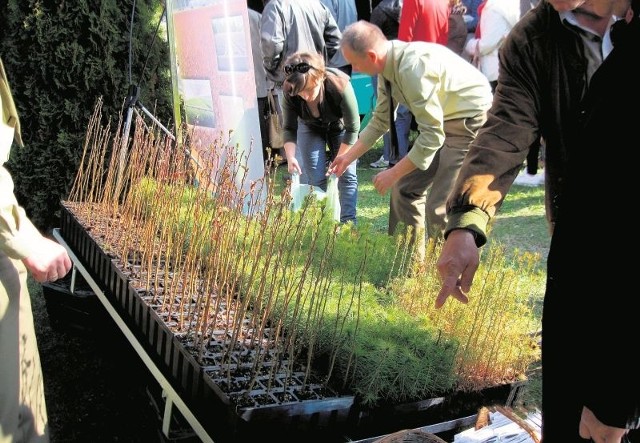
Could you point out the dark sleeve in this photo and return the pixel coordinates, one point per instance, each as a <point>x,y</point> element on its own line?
<point>498,152</point>
<point>378,18</point>
<point>272,40</point>
<point>350,115</point>
<point>364,9</point>
<point>289,119</point>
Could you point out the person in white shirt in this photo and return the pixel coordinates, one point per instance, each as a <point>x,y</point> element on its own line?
<point>496,20</point>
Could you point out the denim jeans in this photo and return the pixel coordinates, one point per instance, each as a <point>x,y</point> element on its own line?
<point>312,154</point>
<point>403,126</point>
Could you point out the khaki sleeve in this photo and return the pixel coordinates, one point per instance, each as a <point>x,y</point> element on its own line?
<point>18,236</point>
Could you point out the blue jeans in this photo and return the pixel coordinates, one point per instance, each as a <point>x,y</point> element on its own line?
<point>312,154</point>
<point>403,126</point>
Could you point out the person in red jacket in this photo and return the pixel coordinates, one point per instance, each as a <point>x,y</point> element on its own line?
<point>424,20</point>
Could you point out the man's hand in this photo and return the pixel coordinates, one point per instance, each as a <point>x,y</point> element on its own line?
<point>339,165</point>
<point>598,432</point>
<point>293,167</point>
<point>346,155</point>
<point>383,181</point>
<point>50,263</point>
<point>458,263</point>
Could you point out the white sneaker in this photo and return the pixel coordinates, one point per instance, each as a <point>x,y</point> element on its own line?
<point>526,179</point>
<point>381,163</point>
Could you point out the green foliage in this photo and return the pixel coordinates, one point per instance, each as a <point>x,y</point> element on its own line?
<point>340,301</point>
<point>398,359</point>
<point>348,299</point>
<point>60,58</point>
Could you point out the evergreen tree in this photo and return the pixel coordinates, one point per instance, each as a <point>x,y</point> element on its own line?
<point>61,57</point>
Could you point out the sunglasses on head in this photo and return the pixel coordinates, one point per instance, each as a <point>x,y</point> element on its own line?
<point>302,67</point>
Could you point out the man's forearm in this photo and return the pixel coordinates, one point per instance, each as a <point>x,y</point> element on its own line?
<point>403,167</point>
<point>356,151</point>
<point>344,147</point>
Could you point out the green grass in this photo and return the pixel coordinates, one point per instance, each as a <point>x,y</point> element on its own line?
<point>373,208</point>
<point>519,225</point>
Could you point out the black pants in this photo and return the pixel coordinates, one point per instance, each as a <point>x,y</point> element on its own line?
<point>263,108</point>
<point>588,335</point>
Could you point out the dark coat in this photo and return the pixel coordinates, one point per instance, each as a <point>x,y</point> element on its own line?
<point>591,304</point>
<point>457,36</point>
<point>386,16</point>
<point>540,86</point>
<point>609,383</point>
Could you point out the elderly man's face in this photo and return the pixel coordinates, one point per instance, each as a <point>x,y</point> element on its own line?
<point>566,5</point>
<point>601,8</point>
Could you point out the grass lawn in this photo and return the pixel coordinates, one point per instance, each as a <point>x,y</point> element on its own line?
<point>520,223</point>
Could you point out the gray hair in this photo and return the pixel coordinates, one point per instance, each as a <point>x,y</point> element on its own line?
<point>362,36</point>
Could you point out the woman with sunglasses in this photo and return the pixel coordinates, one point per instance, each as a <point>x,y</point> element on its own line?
<point>321,121</point>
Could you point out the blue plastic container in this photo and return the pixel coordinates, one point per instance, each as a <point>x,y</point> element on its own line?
<point>363,88</point>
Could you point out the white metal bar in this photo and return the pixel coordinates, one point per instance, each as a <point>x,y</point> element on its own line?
<point>72,286</point>
<point>166,420</point>
<point>172,395</point>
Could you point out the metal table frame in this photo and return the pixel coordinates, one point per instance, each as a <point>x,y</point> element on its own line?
<point>171,396</point>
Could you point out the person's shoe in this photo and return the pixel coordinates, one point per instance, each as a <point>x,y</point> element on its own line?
<point>381,163</point>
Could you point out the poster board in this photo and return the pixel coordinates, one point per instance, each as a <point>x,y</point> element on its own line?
<point>214,88</point>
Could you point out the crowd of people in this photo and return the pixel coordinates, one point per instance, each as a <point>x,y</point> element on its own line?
<point>561,71</point>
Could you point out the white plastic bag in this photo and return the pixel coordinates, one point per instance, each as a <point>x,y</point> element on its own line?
<point>300,191</point>
<point>333,197</point>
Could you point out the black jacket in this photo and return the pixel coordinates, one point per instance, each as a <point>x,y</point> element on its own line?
<point>386,16</point>
<point>608,134</point>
